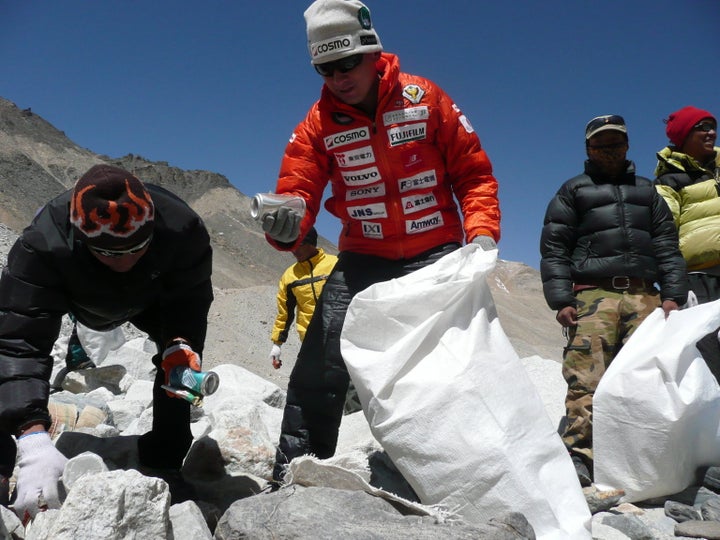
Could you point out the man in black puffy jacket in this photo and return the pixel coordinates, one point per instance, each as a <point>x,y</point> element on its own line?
<point>608,239</point>
<point>109,251</point>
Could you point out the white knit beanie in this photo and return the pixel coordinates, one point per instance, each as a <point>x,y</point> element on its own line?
<point>339,28</point>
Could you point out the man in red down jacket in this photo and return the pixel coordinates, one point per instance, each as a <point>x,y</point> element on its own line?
<point>401,157</point>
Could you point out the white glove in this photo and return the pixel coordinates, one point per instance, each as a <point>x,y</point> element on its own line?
<point>275,356</point>
<point>485,242</point>
<point>282,225</point>
<point>40,467</point>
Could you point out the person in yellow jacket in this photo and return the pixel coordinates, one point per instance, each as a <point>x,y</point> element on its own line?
<point>687,176</point>
<point>298,290</point>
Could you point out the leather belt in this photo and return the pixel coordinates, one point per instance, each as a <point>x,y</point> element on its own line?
<point>620,283</point>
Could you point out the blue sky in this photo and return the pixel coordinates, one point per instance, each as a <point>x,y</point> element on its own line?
<point>220,85</point>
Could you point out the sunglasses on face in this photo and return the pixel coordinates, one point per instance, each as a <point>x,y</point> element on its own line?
<point>344,65</point>
<point>610,146</point>
<point>705,126</point>
<point>114,253</point>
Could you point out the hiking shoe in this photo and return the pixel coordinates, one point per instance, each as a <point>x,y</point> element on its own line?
<point>76,357</point>
<point>582,471</point>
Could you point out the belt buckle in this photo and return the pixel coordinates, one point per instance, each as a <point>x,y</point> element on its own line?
<point>625,285</point>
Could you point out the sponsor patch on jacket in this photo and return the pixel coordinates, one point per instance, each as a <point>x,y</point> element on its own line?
<point>411,114</point>
<point>368,211</point>
<point>372,230</point>
<point>331,46</point>
<point>413,93</point>
<point>421,180</point>
<point>347,137</point>
<point>361,177</point>
<point>353,158</point>
<point>466,124</point>
<point>421,201</point>
<point>292,138</point>
<point>407,133</point>
<point>425,223</point>
<point>365,192</point>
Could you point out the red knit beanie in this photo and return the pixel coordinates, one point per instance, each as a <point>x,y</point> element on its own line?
<point>111,209</point>
<point>680,123</point>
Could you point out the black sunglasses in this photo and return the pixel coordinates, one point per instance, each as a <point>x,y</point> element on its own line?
<point>613,119</point>
<point>705,126</point>
<point>121,252</point>
<point>343,65</point>
<point>607,146</point>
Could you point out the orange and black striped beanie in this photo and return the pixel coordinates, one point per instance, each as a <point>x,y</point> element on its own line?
<point>111,209</point>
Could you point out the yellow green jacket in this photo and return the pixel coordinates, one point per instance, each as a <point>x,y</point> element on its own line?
<point>298,290</point>
<point>692,191</point>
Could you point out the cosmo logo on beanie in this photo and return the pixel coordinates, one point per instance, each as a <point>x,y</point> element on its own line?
<point>339,28</point>
<point>110,208</point>
<point>680,123</point>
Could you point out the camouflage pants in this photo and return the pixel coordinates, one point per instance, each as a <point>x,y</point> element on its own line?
<point>606,320</point>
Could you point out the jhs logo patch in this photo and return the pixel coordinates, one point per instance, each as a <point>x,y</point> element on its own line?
<point>368,211</point>
<point>372,230</point>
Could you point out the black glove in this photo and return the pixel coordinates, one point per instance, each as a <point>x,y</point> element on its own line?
<point>283,225</point>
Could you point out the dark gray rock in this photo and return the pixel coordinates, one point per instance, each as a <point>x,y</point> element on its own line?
<point>709,530</point>
<point>681,512</point>
<point>710,509</point>
<point>327,514</point>
<point>630,526</point>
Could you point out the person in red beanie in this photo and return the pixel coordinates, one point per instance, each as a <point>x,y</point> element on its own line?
<point>111,250</point>
<point>687,175</point>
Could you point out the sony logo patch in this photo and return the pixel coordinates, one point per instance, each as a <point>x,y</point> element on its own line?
<point>365,192</point>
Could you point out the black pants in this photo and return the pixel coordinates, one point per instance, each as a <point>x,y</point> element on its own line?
<point>705,286</point>
<point>319,380</point>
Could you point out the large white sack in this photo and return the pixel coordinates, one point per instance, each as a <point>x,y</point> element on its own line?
<point>448,399</point>
<point>656,411</point>
<point>99,344</point>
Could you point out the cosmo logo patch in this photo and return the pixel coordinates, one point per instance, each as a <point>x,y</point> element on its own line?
<point>411,114</point>
<point>347,137</point>
<point>365,192</point>
<point>433,221</point>
<point>415,203</point>
<point>413,93</point>
<point>372,230</point>
<point>405,134</point>
<point>361,177</point>
<point>368,211</point>
<point>352,158</point>
<point>466,124</point>
<point>330,46</point>
<point>421,180</point>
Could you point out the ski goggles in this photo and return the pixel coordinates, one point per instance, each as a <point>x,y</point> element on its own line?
<point>344,65</point>
<point>121,252</point>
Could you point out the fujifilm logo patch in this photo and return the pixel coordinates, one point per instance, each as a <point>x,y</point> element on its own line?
<point>421,180</point>
<point>329,46</point>
<point>411,114</point>
<point>353,158</point>
<point>405,134</point>
<point>367,192</point>
<point>415,203</point>
<point>347,137</point>
<point>361,177</point>
<point>433,221</point>
<point>368,211</point>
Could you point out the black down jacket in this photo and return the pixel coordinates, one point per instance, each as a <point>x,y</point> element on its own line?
<point>167,294</point>
<point>596,229</point>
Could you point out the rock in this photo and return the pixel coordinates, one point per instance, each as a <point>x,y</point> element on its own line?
<point>599,501</point>
<point>82,465</point>
<point>629,525</point>
<point>188,522</point>
<point>710,509</point>
<point>681,512</point>
<point>709,530</point>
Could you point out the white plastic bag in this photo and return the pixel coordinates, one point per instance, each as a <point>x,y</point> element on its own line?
<point>656,411</point>
<point>448,399</point>
<point>98,344</point>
